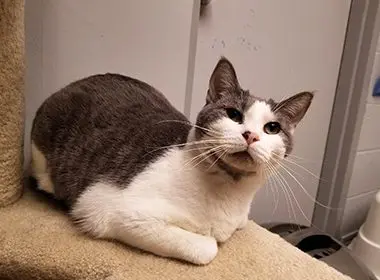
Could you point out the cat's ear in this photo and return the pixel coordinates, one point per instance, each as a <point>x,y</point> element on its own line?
<point>223,81</point>
<point>294,108</point>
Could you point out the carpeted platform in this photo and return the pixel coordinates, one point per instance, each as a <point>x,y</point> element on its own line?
<point>37,241</point>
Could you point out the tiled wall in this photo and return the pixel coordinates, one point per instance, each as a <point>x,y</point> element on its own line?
<point>365,180</point>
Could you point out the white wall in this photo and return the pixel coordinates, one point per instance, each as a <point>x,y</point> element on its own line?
<point>67,40</point>
<point>279,48</point>
<point>365,180</point>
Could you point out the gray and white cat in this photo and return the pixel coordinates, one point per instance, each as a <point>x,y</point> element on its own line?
<point>132,168</point>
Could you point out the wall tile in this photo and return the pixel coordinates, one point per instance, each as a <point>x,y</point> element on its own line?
<point>375,74</point>
<point>366,173</point>
<point>355,212</point>
<point>370,132</point>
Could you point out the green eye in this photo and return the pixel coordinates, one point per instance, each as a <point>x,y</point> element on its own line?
<point>234,115</point>
<point>272,128</point>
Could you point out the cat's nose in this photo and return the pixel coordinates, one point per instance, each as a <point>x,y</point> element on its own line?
<point>250,137</point>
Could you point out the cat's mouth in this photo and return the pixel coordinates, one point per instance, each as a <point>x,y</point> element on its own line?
<point>243,155</point>
<point>248,156</point>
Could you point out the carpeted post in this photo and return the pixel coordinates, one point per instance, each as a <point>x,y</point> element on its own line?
<point>11,99</point>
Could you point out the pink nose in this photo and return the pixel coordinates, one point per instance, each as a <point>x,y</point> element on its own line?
<point>250,137</point>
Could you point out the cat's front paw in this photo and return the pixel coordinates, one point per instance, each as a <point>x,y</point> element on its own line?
<point>222,236</point>
<point>205,250</point>
<point>243,223</point>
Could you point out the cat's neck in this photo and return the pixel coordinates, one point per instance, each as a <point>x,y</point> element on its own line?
<point>213,180</point>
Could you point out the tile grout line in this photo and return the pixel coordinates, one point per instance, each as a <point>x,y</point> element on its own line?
<point>373,191</point>
<point>367,151</point>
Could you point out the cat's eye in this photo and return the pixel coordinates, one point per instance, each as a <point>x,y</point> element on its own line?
<point>234,115</point>
<point>272,128</point>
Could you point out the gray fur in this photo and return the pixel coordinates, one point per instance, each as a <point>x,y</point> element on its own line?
<point>104,126</point>
<point>112,127</point>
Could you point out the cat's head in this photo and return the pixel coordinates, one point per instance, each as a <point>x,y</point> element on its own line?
<point>242,132</point>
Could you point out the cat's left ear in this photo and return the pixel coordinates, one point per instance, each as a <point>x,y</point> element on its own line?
<point>294,108</point>
<point>223,81</point>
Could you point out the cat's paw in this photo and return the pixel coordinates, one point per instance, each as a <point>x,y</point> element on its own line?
<point>222,236</point>
<point>205,249</point>
<point>243,223</point>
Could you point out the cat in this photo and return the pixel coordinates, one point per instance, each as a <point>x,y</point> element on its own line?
<point>132,168</point>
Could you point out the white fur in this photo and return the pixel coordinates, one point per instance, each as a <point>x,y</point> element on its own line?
<point>255,119</point>
<point>169,210</point>
<point>40,170</point>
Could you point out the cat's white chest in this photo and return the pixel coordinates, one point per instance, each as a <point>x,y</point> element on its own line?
<point>167,193</point>
<point>172,191</point>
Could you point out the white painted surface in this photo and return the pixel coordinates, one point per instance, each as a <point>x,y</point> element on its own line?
<point>355,212</point>
<point>365,175</point>
<point>366,246</point>
<point>68,40</point>
<point>279,48</point>
<point>33,76</point>
<point>369,134</point>
<point>146,39</point>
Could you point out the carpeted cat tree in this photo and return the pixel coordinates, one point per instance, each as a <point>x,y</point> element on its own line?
<point>38,241</point>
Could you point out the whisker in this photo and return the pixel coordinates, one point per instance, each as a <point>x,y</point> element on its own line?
<point>194,143</point>
<point>290,191</point>
<point>201,155</point>
<point>276,201</point>
<point>193,125</point>
<point>266,192</point>
<point>288,201</point>
<point>208,156</point>
<point>277,161</point>
<point>299,206</point>
<point>272,186</point>
<point>322,162</point>
<point>199,148</point>
<point>305,191</point>
<point>300,166</point>
<point>221,155</point>
<point>268,178</point>
<point>291,195</point>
